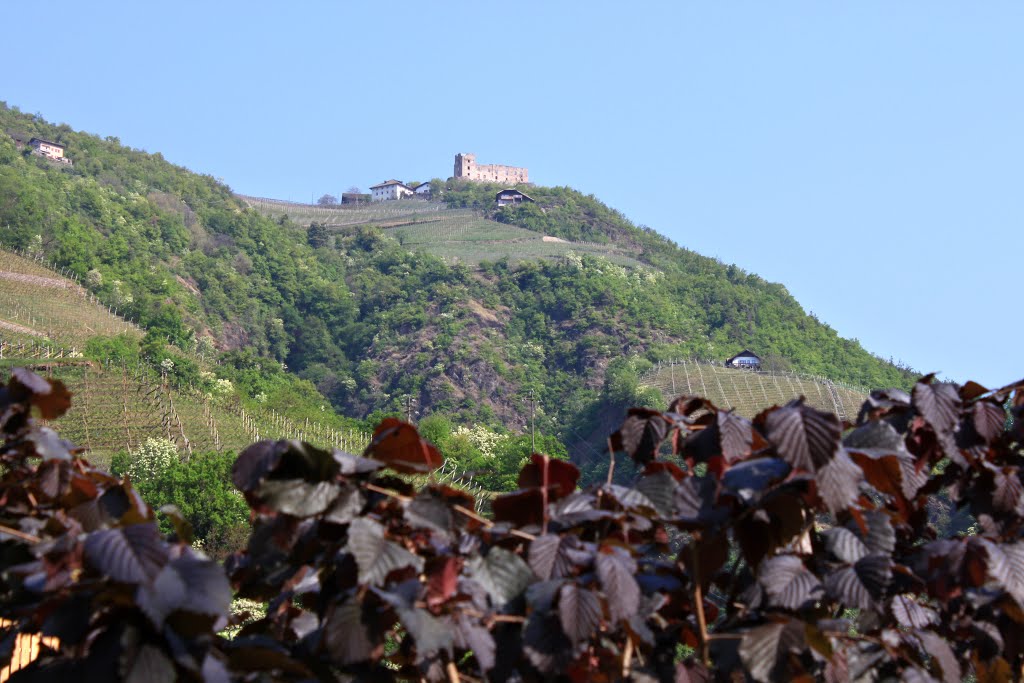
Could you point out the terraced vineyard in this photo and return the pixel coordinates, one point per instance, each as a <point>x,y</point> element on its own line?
<point>117,408</point>
<point>36,303</point>
<point>456,235</point>
<point>347,215</point>
<point>750,392</point>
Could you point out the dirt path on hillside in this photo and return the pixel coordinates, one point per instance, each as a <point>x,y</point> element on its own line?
<point>36,280</point>
<point>20,329</point>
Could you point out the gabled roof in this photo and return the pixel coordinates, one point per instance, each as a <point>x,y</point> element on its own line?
<point>48,142</point>
<point>743,354</point>
<point>421,185</point>
<point>512,190</point>
<point>386,183</point>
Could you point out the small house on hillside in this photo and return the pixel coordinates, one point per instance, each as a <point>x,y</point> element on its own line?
<point>422,190</point>
<point>53,151</point>
<point>744,359</point>
<point>511,196</point>
<point>389,190</point>
<point>354,198</point>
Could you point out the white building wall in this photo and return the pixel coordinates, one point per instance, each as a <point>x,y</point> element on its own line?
<point>390,192</point>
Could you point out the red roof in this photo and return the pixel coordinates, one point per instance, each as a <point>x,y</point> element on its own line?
<point>387,183</point>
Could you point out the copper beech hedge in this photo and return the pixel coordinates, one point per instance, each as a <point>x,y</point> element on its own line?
<point>790,547</point>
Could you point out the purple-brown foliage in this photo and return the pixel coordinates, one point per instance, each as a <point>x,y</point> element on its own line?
<point>790,547</point>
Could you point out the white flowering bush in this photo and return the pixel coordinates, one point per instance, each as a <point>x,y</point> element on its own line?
<point>205,346</point>
<point>122,297</point>
<point>480,437</point>
<point>222,388</point>
<point>152,459</point>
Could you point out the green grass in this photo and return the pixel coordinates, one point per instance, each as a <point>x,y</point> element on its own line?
<point>459,227</point>
<point>751,392</point>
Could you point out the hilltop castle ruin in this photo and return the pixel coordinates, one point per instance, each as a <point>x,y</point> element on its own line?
<point>467,169</point>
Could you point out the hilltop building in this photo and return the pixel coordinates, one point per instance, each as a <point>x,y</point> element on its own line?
<point>744,359</point>
<point>389,190</point>
<point>511,196</point>
<point>354,198</point>
<point>422,190</point>
<point>467,169</point>
<point>54,151</point>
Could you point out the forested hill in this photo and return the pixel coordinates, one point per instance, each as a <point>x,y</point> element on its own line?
<point>370,320</point>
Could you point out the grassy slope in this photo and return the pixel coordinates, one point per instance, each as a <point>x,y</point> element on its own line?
<point>455,235</point>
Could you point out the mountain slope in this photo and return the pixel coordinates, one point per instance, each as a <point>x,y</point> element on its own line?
<point>371,315</point>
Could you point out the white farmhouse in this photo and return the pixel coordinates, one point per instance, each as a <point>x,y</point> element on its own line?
<point>54,151</point>
<point>390,189</point>
<point>422,190</point>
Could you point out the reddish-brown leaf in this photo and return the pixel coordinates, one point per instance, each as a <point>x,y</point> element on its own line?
<point>729,435</point>
<point>911,614</point>
<point>941,655</point>
<point>442,579</point>
<point>989,420</point>
<point>641,434</point>
<point>765,649</point>
<point>615,569</point>
<point>838,482</point>
<point>561,476</point>
<point>50,397</point>
<point>1007,490</point>
<point>938,403</point>
<point>399,445</point>
<point>803,436</point>
<point>787,582</point>
<point>579,611</point>
<point>521,508</point>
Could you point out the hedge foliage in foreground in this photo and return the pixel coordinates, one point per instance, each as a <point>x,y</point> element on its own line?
<point>747,544</point>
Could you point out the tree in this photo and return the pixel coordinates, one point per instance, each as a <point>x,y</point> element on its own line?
<point>327,200</point>
<point>318,236</point>
<point>353,190</point>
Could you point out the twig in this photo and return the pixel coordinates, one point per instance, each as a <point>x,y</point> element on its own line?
<point>544,495</point>
<point>488,523</point>
<point>387,492</point>
<point>496,618</point>
<point>611,461</point>
<point>698,600</point>
<point>453,673</point>
<point>627,658</point>
<point>473,515</point>
<point>19,534</point>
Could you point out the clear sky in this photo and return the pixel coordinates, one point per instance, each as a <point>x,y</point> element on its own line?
<point>868,155</point>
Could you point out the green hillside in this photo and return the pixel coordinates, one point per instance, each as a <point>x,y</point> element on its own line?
<point>47,322</point>
<point>462,307</point>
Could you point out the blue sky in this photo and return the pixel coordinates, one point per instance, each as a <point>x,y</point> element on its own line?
<point>868,155</point>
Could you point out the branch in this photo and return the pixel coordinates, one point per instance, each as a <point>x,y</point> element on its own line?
<point>29,538</point>
<point>698,601</point>
<point>611,461</point>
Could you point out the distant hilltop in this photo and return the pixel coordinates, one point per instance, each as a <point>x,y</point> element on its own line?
<point>467,169</point>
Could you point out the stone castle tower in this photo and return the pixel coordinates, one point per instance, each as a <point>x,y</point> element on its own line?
<point>467,169</point>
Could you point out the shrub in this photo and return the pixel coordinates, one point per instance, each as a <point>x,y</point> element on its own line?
<point>788,547</point>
